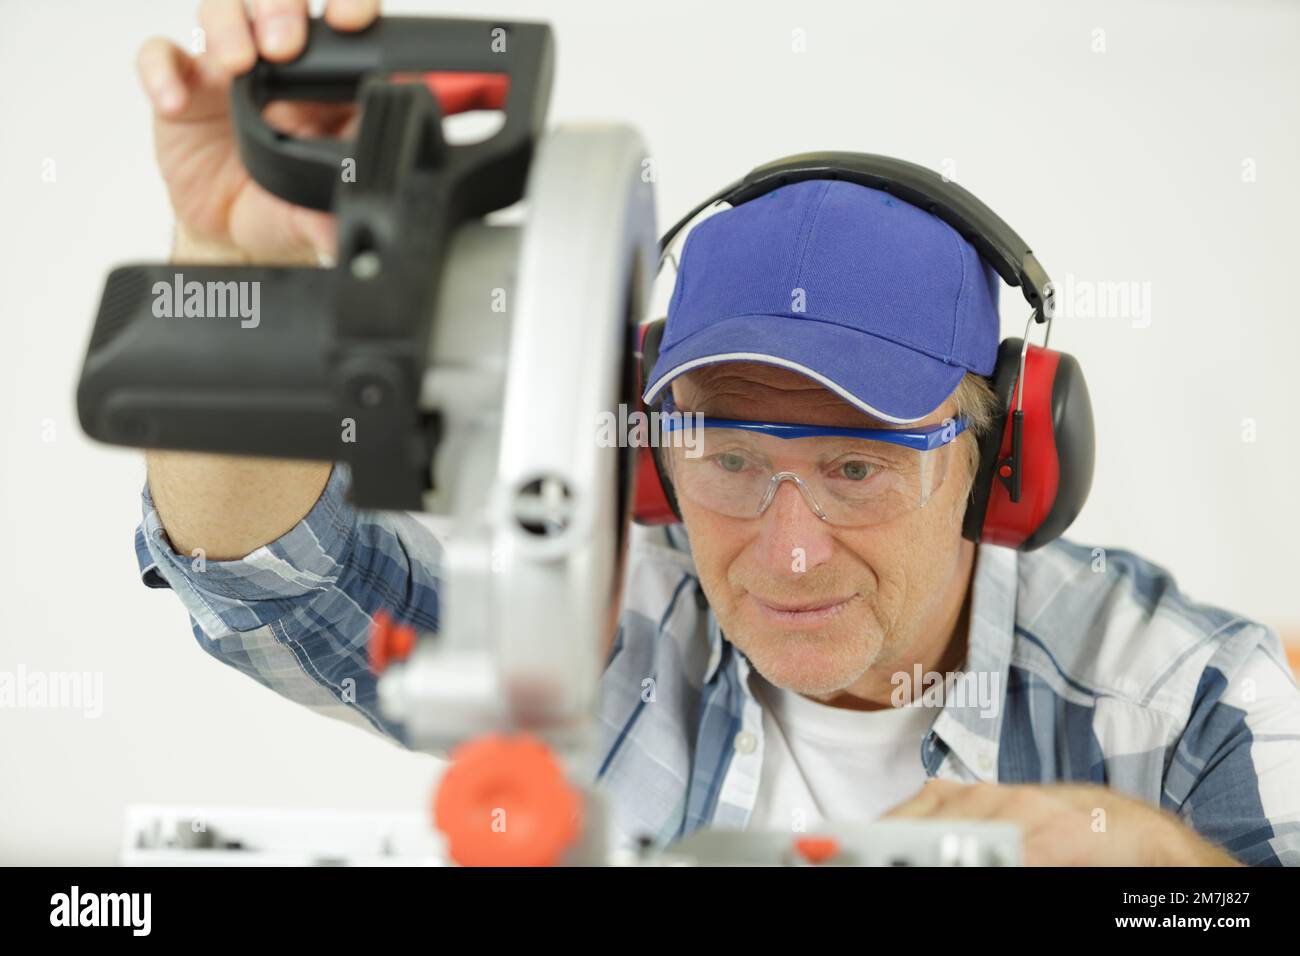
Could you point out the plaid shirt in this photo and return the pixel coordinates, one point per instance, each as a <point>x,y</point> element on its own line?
<point>1105,672</point>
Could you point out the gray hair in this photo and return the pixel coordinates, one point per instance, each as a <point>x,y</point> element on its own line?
<point>977,401</point>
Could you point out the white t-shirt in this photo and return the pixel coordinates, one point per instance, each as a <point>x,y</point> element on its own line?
<point>829,765</point>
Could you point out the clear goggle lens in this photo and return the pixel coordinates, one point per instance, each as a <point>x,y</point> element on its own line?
<point>848,482</point>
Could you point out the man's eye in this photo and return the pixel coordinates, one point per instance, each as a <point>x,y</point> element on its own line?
<point>729,461</point>
<point>856,470</point>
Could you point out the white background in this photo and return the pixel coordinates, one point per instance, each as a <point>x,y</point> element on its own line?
<point>1122,165</point>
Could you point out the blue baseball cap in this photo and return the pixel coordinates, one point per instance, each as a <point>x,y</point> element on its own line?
<point>881,302</point>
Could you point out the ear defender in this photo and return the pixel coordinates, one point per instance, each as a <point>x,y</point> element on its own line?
<point>655,503</point>
<point>1026,503</point>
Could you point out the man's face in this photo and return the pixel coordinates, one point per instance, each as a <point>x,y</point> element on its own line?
<point>860,597</point>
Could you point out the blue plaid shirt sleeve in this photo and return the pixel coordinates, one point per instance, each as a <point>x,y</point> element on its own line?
<point>1234,774</point>
<point>295,614</point>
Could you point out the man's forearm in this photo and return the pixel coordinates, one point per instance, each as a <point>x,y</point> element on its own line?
<point>226,505</point>
<point>230,506</point>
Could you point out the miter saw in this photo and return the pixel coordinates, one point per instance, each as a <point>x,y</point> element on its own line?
<point>454,359</point>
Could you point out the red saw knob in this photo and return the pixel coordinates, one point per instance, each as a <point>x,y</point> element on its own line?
<point>504,801</point>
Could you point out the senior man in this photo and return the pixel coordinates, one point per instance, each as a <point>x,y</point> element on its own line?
<point>771,666</point>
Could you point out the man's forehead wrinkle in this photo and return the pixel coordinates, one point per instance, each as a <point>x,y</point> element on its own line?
<point>788,397</point>
<point>711,385</point>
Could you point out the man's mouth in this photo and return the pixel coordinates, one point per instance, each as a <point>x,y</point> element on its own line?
<point>809,613</point>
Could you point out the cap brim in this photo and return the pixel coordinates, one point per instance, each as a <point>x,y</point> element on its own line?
<point>886,380</point>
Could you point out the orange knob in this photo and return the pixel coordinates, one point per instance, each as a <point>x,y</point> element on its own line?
<point>816,849</point>
<point>504,801</point>
<point>388,641</point>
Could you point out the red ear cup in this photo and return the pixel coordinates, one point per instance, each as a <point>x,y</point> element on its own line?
<point>1057,452</point>
<point>654,503</point>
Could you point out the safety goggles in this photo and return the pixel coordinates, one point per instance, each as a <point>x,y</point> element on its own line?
<point>850,477</point>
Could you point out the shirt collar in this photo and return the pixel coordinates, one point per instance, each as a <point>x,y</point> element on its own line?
<point>677,538</point>
<point>715,648</point>
<point>971,732</point>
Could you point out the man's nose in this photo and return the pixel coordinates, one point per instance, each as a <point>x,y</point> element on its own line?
<point>792,537</point>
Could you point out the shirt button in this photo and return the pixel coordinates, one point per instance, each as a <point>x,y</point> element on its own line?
<point>745,742</point>
<point>985,762</point>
